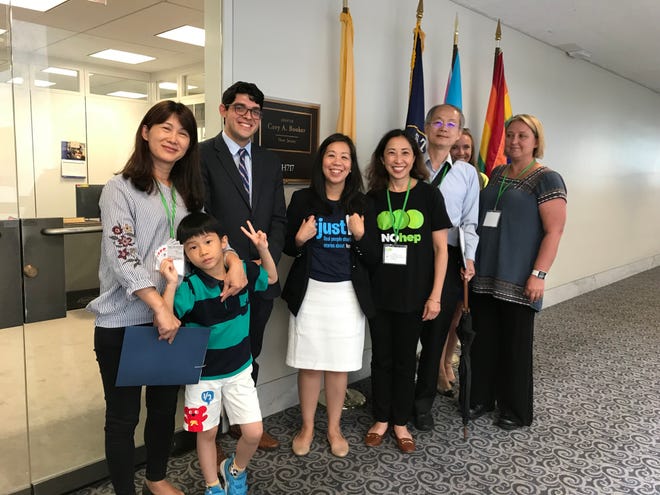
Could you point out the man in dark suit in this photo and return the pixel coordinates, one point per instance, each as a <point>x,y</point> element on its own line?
<point>244,182</point>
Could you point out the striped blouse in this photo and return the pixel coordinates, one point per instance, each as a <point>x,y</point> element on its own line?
<point>135,224</point>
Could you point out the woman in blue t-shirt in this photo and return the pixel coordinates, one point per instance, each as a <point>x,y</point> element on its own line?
<point>331,234</point>
<point>412,225</point>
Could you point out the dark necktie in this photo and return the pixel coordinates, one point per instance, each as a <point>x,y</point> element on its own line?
<point>242,169</point>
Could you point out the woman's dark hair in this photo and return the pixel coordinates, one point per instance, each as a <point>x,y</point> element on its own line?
<point>198,223</point>
<point>377,175</point>
<point>185,175</point>
<point>351,200</point>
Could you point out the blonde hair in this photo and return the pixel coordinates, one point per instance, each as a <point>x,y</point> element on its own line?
<point>537,128</point>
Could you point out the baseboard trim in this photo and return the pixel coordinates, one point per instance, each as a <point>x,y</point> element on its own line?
<point>581,286</point>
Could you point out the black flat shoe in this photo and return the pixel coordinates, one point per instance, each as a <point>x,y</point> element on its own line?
<point>424,421</point>
<point>479,410</point>
<point>508,424</point>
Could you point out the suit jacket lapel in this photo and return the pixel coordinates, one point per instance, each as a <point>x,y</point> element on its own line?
<point>227,162</point>
<point>256,175</point>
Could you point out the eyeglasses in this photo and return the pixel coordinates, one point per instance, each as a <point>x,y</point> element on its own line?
<point>439,124</point>
<point>241,109</point>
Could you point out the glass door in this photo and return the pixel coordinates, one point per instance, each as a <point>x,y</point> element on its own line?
<point>67,123</point>
<point>14,454</point>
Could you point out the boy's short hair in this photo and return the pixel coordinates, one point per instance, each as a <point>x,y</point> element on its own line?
<point>198,223</point>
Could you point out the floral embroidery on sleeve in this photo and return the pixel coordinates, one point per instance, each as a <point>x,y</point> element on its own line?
<point>123,240</point>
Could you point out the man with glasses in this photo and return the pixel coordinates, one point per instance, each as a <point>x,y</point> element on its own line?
<point>244,182</point>
<point>459,185</point>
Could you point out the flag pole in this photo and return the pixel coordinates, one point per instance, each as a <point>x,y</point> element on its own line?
<point>456,31</point>
<point>345,7</point>
<point>498,36</point>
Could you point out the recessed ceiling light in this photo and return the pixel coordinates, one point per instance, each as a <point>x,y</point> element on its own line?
<point>43,84</point>
<point>15,80</point>
<point>124,57</point>
<point>172,86</point>
<point>185,34</point>
<point>2,31</point>
<point>61,71</point>
<point>38,5</point>
<point>127,94</point>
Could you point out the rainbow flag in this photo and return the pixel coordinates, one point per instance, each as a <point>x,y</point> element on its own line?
<point>346,118</point>
<point>415,117</point>
<point>454,93</point>
<point>491,152</point>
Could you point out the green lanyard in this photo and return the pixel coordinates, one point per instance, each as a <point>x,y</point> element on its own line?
<point>171,213</point>
<point>396,227</point>
<point>505,184</point>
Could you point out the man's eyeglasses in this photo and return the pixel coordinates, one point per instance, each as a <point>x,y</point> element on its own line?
<point>241,109</point>
<point>439,124</point>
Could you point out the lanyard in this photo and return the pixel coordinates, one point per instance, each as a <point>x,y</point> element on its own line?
<point>396,227</point>
<point>171,213</point>
<point>505,184</point>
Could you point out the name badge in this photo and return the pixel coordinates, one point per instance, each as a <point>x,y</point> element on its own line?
<point>492,218</point>
<point>395,254</point>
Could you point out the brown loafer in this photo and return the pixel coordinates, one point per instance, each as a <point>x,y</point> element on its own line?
<point>267,442</point>
<point>406,445</point>
<point>373,439</point>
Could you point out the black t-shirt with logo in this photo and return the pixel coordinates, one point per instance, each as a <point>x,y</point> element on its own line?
<point>330,249</point>
<point>405,288</point>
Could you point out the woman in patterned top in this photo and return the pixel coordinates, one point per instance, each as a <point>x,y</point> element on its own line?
<point>522,213</point>
<point>140,210</point>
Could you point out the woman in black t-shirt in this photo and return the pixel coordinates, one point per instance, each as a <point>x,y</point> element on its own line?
<point>412,223</point>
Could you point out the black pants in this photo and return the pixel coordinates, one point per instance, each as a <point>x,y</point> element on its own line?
<point>394,339</point>
<point>260,310</point>
<point>122,412</point>
<point>502,357</point>
<point>434,334</point>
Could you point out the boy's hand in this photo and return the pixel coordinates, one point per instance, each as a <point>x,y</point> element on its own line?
<point>168,271</point>
<point>258,238</point>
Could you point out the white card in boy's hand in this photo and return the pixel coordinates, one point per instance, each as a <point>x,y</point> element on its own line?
<point>161,254</point>
<point>175,251</point>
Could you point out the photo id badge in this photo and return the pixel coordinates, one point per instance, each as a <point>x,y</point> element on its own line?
<point>492,218</point>
<point>395,254</point>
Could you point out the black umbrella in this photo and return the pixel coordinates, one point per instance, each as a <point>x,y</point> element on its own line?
<point>466,336</point>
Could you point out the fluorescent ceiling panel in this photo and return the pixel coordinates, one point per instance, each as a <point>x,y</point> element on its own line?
<point>120,56</point>
<point>185,34</point>
<point>38,5</point>
<point>172,86</point>
<point>43,84</point>
<point>127,94</point>
<point>61,71</point>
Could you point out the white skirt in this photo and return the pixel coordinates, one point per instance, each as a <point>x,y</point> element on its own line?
<point>328,333</point>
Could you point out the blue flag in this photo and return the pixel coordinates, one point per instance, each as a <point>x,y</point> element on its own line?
<point>454,95</point>
<point>415,117</point>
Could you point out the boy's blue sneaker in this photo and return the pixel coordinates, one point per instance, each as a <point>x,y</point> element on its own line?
<point>235,483</point>
<point>214,490</point>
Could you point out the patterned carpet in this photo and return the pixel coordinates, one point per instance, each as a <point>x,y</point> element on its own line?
<point>596,431</point>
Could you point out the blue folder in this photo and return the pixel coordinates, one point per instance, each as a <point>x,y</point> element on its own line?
<point>145,360</point>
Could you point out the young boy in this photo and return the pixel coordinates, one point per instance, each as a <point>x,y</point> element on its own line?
<point>226,377</point>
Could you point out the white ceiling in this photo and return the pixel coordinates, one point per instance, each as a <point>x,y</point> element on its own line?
<point>622,37</point>
<point>77,28</point>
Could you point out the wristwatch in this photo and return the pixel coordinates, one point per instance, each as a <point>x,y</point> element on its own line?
<point>539,274</point>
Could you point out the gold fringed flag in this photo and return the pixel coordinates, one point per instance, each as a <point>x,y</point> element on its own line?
<point>491,152</point>
<point>346,119</point>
